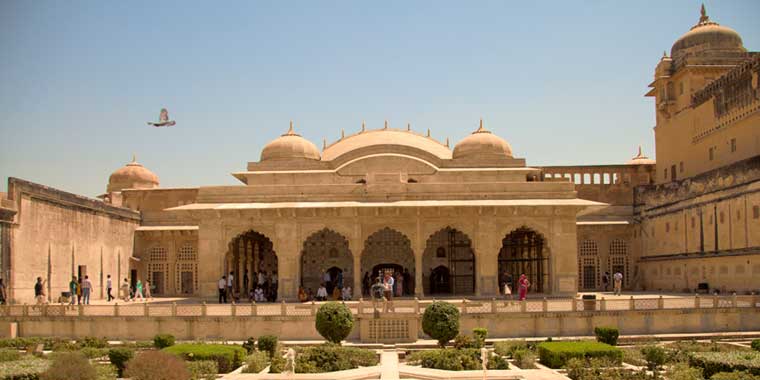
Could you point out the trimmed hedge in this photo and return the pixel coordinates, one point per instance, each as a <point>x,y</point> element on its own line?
<point>447,359</point>
<point>227,357</point>
<point>331,357</point>
<point>334,321</point>
<point>441,322</point>
<point>162,341</point>
<point>556,354</point>
<point>714,362</point>
<point>607,335</point>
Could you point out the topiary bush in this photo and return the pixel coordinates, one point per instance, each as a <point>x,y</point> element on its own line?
<point>227,357</point>
<point>202,369</point>
<point>268,344</point>
<point>256,362</point>
<point>556,354</point>
<point>441,322</point>
<point>480,334</point>
<point>156,365</point>
<point>607,335</point>
<point>9,354</point>
<point>119,358</point>
<point>334,321</point>
<point>162,341</point>
<point>69,366</point>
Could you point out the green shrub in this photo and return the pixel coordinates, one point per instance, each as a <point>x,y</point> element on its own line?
<point>334,321</point>
<point>268,344</point>
<point>69,366</point>
<point>524,359</point>
<point>202,369</point>
<point>734,376</point>
<point>607,335</point>
<point>9,354</point>
<point>256,362</point>
<point>227,357</point>
<point>756,344</point>
<point>106,372</point>
<point>162,341</point>
<point>93,342</point>
<point>94,353</point>
<point>156,365</point>
<point>24,343</point>
<point>714,362</point>
<point>556,354</point>
<point>450,360</point>
<point>601,369</point>
<point>497,362</point>
<point>464,341</point>
<point>633,355</point>
<point>441,322</point>
<point>277,364</point>
<point>250,345</point>
<point>507,347</point>
<point>682,371</point>
<point>480,334</point>
<point>332,357</point>
<point>119,358</point>
<point>28,368</point>
<point>655,356</point>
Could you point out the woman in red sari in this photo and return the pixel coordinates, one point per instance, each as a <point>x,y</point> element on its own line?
<point>524,284</point>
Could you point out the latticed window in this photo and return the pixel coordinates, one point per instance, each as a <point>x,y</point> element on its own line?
<point>157,254</point>
<point>187,253</point>
<point>619,259</point>
<point>588,264</point>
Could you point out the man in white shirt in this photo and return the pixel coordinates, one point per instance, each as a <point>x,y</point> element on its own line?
<point>618,282</point>
<point>230,293</point>
<point>223,290</point>
<point>109,286</point>
<point>346,293</point>
<point>321,293</point>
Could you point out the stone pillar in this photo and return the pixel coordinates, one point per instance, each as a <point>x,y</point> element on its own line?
<point>211,254</point>
<point>485,243</point>
<point>287,252</point>
<point>418,245</point>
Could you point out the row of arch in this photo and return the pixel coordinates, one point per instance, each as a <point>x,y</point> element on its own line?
<point>448,261</point>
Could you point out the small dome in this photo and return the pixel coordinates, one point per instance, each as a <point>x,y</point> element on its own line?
<point>132,176</point>
<point>640,159</point>
<point>482,144</point>
<point>707,35</point>
<point>289,146</point>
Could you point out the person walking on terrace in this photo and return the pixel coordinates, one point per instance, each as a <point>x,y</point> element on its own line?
<point>86,290</point>
<point>73,289</point>
<point>617,279</point>
<point>524,284</point>
<point>139,291</point>
<point>222,285</point>
<point>39,293</point>
<point>606,280</point>
<point>109,286</point>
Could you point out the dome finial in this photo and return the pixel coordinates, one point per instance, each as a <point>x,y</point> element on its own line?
<point>408,126</point>
<point>324,143</point>
<point>385,126</point>
<point>481,128</point>
<point>364,125</point>
<point>703,14</point>
<point>134,158</point>
<point>428,132</point>
<point>342,133</point>
<point>639,151</point>
<point>291,132</point>
<point>447,142</point>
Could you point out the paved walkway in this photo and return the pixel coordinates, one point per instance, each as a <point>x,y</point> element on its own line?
<point>389,365</point>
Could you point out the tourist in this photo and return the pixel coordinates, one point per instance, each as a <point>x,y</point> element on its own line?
<point>377,289</point>
<point>86,290</point>
<point>407,278</point>
<point>366,284</point>
<point>524,285</point>
<point>327,280</point>
<point>260,278</point>
<point>230,291</point>
<point>302,296</point>
<point>109,285</point>
<point>618,282</point>
<point>339,280</point>
<point>3,297</point>
<point>337,293</point>
<point>389,282</point>
<point>147,290</point>
<point>258,294</point>
<point>399,284</point>
<point>606,280</point>
<point>322,292</point>
<point>347,293</point>
<point>139,291</point>
<point>125,290</point>
<point>39,292</point>
<point>222,285</point>
<point>507,290</point>
<point>79,290</point>
<point>73,289</point>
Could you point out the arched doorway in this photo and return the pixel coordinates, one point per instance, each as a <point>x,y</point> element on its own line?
<point>618,260</point>
<point>523,251</point>
<point>448,249</point>
<point>251,253</point>
<point>389,250</point>
<point>326,251</point>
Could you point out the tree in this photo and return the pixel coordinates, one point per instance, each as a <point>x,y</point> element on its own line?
<point>441,322</point>
<point>334,321</point>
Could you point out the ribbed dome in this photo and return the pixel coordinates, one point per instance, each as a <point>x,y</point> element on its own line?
<point>640,159</point>
<point>482,144</point>
<point>386,137</point>
<point>707,35</point>
<point>132,176</point>
<point>290,146</point>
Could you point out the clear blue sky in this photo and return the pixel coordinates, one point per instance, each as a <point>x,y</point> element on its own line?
<point>562,81</point>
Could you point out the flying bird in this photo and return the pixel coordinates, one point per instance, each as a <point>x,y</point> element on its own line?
<point>163,120</point>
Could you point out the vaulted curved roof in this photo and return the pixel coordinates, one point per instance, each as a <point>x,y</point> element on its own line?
<point>385,137</point>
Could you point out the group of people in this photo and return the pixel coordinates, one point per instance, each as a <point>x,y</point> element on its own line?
<point>617,281</point>
<point>262,287</point>
<point>523,284</point>
<point>401,283</point>
<point>81,288</point>
<point>329,289</point>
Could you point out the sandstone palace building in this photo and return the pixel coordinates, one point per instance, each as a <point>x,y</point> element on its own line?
<point>458,220</point>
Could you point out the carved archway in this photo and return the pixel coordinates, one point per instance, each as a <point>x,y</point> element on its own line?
<point>250,253</point>
<point>324,250</point>
<point>451,249</point>
<point>524,251</point>
<point>388,250</point>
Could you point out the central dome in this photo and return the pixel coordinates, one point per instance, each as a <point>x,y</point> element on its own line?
<point>482,144</point>
<point>707,35</point>
<point>402,139</point>
<point>290,146</point>
<point>132,176</point>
